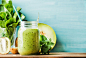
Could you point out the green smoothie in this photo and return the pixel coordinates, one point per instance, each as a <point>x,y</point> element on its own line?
<point>28,41</point>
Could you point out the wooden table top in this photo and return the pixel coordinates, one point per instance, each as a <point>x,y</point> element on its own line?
<point>53,55</point>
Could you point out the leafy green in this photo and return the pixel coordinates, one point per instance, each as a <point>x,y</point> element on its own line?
<point>4,2</point>
<point>22,16</point>
<point>9,18</point>
<point>9,33</point>
<point>15,24</point>
<point>3,16</point>
<point>10,21</point>
<point>45,44</point>
<point>2,22</point>
<point>9,7</point>
<point>15,14</point>
<point>2,8</point>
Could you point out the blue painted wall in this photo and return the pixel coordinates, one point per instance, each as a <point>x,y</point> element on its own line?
<point>66,17</point>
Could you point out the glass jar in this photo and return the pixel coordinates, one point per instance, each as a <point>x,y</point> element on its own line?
<point>28,38</point>
<point>9,32</point>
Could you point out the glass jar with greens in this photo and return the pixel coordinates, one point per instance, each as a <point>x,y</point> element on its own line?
<point>9,20</point>
<point>9,32</point>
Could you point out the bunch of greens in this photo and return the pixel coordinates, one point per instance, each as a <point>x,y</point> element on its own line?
<point>9,18</point>
<point>45,44</point>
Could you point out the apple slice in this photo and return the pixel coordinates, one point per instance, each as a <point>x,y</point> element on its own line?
<point>48,32</point>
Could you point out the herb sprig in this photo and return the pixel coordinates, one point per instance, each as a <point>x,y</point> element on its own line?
<point>45,44</point>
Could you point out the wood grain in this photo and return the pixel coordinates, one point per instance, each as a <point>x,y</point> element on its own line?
<point>51,55</point>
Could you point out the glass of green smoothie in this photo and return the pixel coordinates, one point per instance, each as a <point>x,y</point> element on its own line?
<point>28,38</point>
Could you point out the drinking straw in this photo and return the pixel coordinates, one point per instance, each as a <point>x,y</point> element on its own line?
<point>17,13</point>
<point>38,17</point>
<point>20,20</point>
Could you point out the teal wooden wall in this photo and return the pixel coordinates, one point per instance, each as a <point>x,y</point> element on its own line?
<point>66,17</point>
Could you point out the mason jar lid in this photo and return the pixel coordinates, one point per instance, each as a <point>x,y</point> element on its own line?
<point>28,23</point>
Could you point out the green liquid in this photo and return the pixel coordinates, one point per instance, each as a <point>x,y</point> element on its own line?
<point>28,41</point>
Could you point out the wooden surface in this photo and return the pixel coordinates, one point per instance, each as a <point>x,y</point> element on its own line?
<point>53,55</point>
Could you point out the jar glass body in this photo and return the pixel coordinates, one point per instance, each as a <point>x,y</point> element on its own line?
<point>28,38</point>
<point>9,32</point>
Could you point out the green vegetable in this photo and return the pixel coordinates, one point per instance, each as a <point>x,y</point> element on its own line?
<point>2,8</point>
<point>2,16</point>
<point>9,33</point>
<point>9,7</point>
<point>4,2</point>
<point>45,44</point>
<point>15,14</point>
<point>2,23</point>
<point>9,18</point>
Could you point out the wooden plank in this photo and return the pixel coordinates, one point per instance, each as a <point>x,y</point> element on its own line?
<point>53,55</point>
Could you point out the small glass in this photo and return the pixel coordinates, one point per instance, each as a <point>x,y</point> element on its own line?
<point>28,38</point>
<point>9,32</point>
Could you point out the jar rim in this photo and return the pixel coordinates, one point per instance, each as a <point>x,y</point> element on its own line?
<point>29,22</point>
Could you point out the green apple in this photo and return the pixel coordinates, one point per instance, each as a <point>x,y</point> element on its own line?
<point>48,32</point>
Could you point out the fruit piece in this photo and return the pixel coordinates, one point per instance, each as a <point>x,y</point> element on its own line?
<point>14,50</point>
<point>4,45</point>
<point>16,42</point>
<point>48,32</point>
